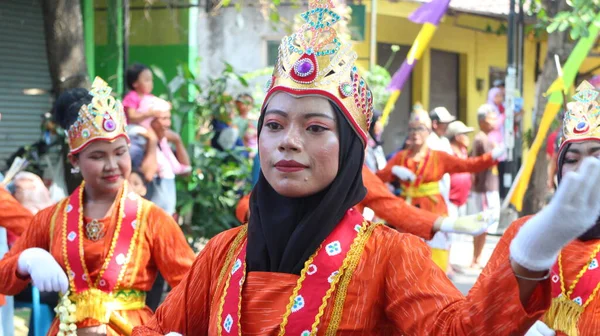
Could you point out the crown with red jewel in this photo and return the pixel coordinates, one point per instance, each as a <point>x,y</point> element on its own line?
<point>315,61</point>
<point>102,119</point>
<point>582,119</point>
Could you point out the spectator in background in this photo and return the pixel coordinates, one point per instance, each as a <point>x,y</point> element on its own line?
<point>440,119</point>
<point>485,193</point>
<point>375,157</point>
<point>245,125</point>
<point>460,183</point>
<point>153,157</point>
<point>140,83</point>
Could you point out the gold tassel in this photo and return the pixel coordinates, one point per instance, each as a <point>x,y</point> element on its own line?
<point>563,315</point>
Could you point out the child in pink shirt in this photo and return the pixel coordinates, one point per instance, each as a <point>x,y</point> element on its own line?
<point>139,81</point>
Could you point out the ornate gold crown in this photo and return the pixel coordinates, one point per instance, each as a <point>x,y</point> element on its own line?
<point>315,61</point>
<point>582,118</point>
<point>102,119</point>
<point>419,115</point>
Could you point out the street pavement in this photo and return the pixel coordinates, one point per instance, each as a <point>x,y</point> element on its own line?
<point>461,256</point>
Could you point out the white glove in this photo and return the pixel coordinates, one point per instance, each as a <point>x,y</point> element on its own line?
<point>173,334</point>
<point>46,274</point>
<point>473,225</point>
<point>540,329</point>
<point>572,211</point>
<point>498,152</point>
<point>403,173</point>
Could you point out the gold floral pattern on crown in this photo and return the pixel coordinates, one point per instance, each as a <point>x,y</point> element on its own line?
<point>102,119</point>
<point>582,118</point>
<point>314,60</point>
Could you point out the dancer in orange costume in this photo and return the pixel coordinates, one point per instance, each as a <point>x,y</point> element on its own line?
<point>307,263</point>
<point>103,245</point>
<point>575,276</point>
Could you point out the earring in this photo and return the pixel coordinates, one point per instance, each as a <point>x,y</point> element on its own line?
<point>75,170</point>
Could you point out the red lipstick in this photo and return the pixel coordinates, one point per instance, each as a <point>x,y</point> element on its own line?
<point>289,166</point>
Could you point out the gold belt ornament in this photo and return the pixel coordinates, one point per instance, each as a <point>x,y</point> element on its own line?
<point>423,190</point>
<point>98,305</point>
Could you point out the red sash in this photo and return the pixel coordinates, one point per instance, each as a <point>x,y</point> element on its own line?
<point>582,289</point>
<point>317,279</point>
<point>117,257</point>
<point>419,170</point>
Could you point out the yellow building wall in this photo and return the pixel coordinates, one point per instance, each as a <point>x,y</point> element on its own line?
<point>463,34</point>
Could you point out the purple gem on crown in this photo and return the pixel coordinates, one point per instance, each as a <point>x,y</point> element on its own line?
<point>109,125</point>
<point>304,67</point>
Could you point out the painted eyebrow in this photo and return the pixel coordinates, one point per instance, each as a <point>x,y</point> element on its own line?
<point>306,116</point>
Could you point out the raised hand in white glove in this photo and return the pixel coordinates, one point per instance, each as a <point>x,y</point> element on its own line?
<point>473,225</point>
<point>403,173</point>
<point>498,152</point>
<point>572,211</point>
<point>540,329</point>
<point>46,274</point>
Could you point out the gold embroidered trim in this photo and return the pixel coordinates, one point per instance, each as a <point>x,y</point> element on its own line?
<point>142,226</point>
<point>353,259</point>
<point>230,255</point>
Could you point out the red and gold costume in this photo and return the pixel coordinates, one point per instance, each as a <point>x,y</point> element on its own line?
<point>112,266</point>
<point>424,192</point>
<point>575,278</point>
<point>364,278</point>
<point>393,290</point>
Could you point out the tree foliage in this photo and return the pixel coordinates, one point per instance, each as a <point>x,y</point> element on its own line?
<point>576,18</point>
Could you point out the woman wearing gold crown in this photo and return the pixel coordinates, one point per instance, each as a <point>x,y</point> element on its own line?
<point>103,244</point>
<point>575,275</point>
<point>307,263</point>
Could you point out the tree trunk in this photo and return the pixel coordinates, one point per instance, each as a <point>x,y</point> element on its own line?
<point>63,25</point>
<point>559,43</point>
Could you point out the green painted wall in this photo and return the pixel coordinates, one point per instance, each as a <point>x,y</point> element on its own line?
<point>157,36</point>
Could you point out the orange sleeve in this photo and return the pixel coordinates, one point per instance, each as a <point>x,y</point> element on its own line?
<point>385,174</point>
<point>394,210</point>
<point>453,164</point>
<point>242,211</point>
<point>170,250</point>
<point>13,216</point>
<point>186,309</point>
<point>421,300</point>
<point>37,234</point>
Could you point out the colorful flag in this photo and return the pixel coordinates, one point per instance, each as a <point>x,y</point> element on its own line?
<point>578,55</point>
<point>429,15</point>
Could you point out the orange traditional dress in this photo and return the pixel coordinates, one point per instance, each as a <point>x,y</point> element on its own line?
<point>157,244</point>
<point>13,217</point>
<point>387,286</point>
<point>576,257</point>
<point>424,192</point>
<point>111,262</point>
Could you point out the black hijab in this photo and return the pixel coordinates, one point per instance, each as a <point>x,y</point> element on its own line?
<point>284,232</point>
<point>594,231</point>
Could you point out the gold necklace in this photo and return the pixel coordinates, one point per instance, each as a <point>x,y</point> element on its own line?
<point>94,230</point>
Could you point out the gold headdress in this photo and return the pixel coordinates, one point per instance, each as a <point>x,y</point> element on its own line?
<point>582,118</point>
<point>102,119</point>
<point>314,61</point>
<point>419,115</point>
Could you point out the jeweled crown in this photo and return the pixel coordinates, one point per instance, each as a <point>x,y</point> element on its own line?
<point>102,119</point>
<point>582,118</point>
<point>315,61</point>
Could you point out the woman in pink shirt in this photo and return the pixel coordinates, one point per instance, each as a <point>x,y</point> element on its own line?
<point>460,183</point>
